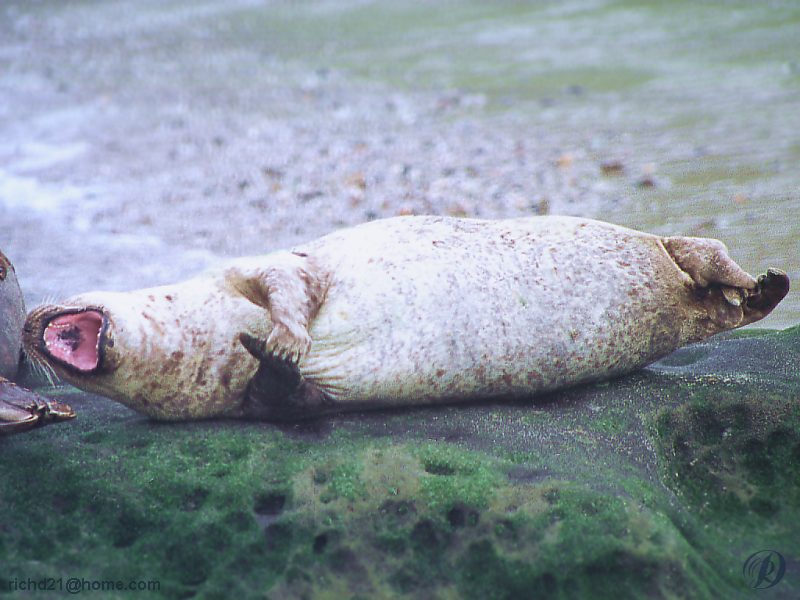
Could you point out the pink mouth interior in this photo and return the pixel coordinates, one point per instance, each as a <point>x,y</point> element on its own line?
<point>74,339</point>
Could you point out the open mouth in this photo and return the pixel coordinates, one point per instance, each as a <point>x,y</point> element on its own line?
<point>75,339</point>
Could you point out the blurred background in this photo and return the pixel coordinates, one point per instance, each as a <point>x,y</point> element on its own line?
<point>142,141</point>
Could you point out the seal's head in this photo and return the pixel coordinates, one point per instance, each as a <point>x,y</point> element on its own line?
<point>76,341</point>
<point>158,351</point>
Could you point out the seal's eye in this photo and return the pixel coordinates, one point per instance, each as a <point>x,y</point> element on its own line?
<point>3,273</point>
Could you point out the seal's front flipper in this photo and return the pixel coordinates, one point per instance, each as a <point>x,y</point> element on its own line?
<point>21,409</point>
<point>275,378</point>
<point>278,390</point>
<point>292,294</point>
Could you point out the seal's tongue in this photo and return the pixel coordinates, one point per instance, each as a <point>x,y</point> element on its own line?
<point>74,339</point>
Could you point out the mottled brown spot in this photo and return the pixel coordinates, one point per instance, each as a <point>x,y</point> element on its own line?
<point>225,379</point>
<point>157,325</point>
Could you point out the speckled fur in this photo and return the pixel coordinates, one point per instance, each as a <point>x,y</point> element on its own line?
<point>417,310</point>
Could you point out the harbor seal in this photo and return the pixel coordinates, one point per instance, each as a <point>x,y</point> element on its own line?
<point>402,311</point>
<point>12,317</point>
<point>20,409</point>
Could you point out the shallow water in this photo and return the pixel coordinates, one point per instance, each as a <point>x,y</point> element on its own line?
<point>130,130</point>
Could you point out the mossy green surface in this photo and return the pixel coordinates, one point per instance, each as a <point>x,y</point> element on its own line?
<point>658,485</point>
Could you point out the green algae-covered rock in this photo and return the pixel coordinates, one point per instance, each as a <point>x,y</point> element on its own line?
<point>658,485</point>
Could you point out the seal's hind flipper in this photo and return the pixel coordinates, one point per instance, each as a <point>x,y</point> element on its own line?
<point>729,294</point>
<point>772,288</point>
<point>278,390</point>
<point>707,262</point>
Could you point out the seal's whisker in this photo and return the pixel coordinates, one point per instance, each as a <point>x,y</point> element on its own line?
<point>49,373</point>
<point>49,298</point>
<point>40,366</point>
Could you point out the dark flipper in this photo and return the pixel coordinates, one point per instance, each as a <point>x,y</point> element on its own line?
<point>731,307</point>
<point>21,409</point>
<point>772,288</point>
<point>278,392</point>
